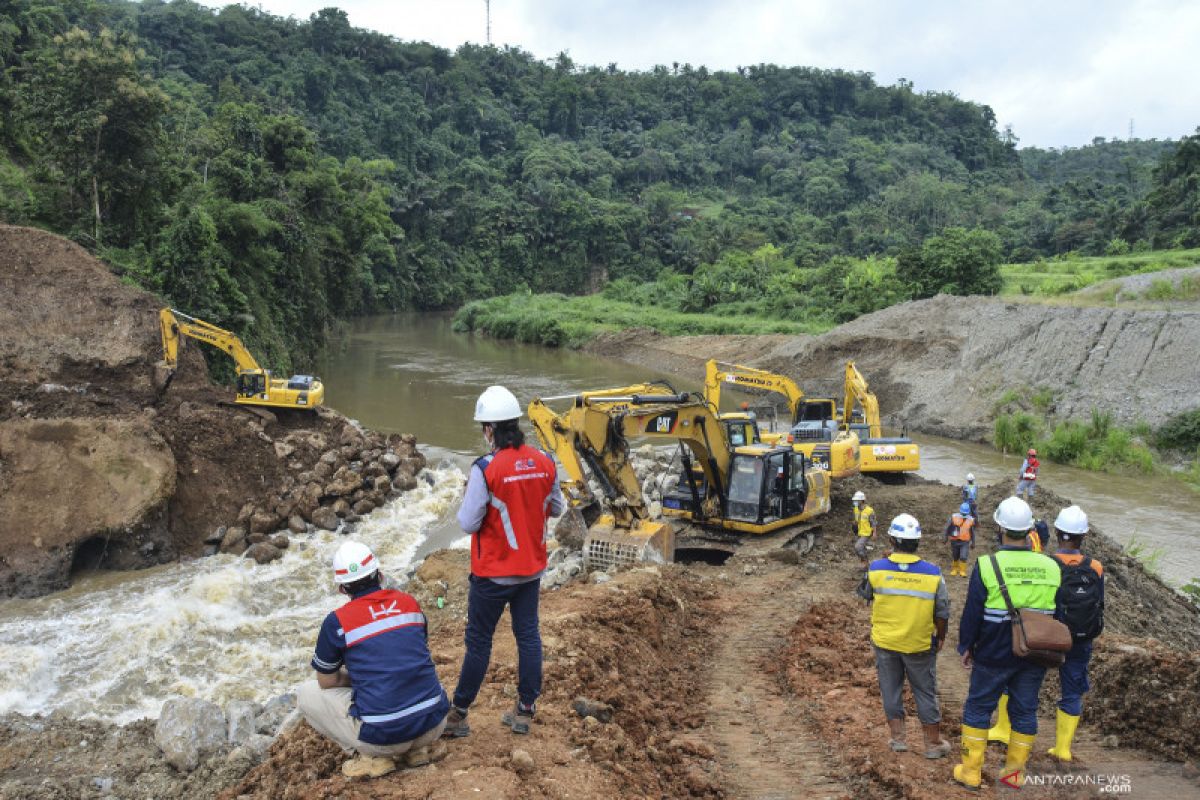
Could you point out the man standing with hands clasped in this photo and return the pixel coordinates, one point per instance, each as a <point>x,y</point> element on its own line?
<point>910,609</point>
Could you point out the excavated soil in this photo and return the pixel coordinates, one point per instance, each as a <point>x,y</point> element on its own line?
<point>103,469</point>
<point>940,365</point>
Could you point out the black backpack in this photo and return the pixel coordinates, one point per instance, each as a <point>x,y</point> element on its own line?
<point>1083,600</point>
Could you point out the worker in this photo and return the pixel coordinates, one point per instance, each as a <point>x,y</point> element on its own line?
<point>511,493</point>
<point>1039,537</point>
<point>864,525</point>
<point>1083,613</point>
<point>960,532</point>
<point>1028,475</point>
<point>985,645</point>
<point>909,613</point>
<point>970,494</point>
<point>377,692</point>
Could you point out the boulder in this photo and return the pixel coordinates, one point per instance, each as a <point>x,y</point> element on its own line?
<point>240,715</point>
<point>263,552</point>
<point>404,481</point>
<point>381,484</point>
<point>255,538</point>
<point>263,522</point>
<point>234,540</point>
<point>390,461</point>
<point>274,712</point>
<point>281,541</point>
<point>350,436</point>
<point>296,524</point>
<point>325,518</point>
<point>322,470</point>
<point>330,458</point>
<point>216,536</point>
<point>188,729</point>
<point>341,507</point>
<point>522,762</point>
<point>363,507</point>
<point>283,450</point>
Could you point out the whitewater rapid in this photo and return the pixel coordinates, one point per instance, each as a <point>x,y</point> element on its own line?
<point>115,646</point>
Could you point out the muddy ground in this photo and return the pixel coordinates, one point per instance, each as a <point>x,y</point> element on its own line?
<point>940,365</point>
<point>101,469</point>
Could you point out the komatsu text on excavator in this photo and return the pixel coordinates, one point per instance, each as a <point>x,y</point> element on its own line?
<point>723,493</point>
<point>255,386</point>
<point>814,429</point>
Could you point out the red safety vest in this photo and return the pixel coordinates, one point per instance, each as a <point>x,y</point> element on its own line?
<point>964,525</point>
<point>512,539</point>
<point>1031,470</point>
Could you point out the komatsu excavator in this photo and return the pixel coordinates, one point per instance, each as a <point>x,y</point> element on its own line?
<point>724,493</point>
<point>814,429</point>
<point>255,386</point>
<point>880,454</point>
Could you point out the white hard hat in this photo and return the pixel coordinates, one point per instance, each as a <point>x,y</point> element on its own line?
<point>352,562</point>
<point>858,497</point>
<point>905,526</point>
<point>497,404</point>
<point>970,477</point>
<point>1072,520</point>
<point>1014,514</point>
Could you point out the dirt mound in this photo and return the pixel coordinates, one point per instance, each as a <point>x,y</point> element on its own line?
<point>633,646</point>
<point>101,470</point>
<point>940,365</point>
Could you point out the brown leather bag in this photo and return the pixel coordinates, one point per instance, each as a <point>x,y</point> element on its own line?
<point>1036,637</point>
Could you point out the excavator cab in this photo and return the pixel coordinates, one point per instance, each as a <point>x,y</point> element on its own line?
<point>766,485</point>
<point>741,428</point>
<point>251,384</point>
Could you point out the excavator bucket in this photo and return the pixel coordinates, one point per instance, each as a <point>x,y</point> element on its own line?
<point>608,547</point>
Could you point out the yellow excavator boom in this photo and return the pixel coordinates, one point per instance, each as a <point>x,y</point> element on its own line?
<point>175,323</point>
<point>880,454</point>
<point>857,389</point>
<point>719,372</point>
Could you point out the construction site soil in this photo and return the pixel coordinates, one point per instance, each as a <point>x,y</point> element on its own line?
<point>941,365</point>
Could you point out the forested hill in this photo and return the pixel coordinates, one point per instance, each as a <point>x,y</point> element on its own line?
<point>272,175</point>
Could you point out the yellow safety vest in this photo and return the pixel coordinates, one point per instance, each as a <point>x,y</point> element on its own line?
<point>1032,579</point>
<point>862,520</point>
<point>905,588</point>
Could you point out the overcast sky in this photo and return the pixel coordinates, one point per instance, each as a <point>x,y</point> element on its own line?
<point>1059,71</point>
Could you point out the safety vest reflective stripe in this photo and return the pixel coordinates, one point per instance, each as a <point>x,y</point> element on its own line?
<point>381,625</point>
<point>506,521</point>
<point>908,593</point>
<point>375,719</point>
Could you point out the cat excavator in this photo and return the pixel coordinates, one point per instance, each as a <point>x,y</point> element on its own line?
<point>255,385</point>
<point>724,493</point>
<point>880,454</point>
<point>814,429</point>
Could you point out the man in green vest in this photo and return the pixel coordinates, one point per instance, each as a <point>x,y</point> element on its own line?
<point>985,644</point>
<point>909,612</point>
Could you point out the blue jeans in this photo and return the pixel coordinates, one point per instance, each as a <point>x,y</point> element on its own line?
<point>1025,487</point>
<point>987,684</point>
<point>1073,675</point>
<point>485,604</point>
<point>960,551</point>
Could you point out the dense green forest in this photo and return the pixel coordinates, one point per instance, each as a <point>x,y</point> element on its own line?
<point>273,175</point>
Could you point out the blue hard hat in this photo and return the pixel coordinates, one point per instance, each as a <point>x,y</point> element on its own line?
<point>965,508</point>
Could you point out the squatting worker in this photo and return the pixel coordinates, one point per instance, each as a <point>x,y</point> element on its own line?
<point>376,692</point>
<point>985,644</point>
<point>511,492</point>
<point>864,525</point>
<point>909,613</point>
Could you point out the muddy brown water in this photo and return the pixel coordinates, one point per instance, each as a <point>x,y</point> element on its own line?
<point>116,645</point>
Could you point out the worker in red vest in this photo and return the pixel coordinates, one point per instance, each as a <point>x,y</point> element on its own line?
<point>511,493</point>
<point>1028,476</point>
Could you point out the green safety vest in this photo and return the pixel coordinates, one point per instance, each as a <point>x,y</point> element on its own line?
<point>1032,579</point>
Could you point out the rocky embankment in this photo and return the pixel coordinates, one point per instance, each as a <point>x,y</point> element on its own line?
<point>940,365</point>
<point>101,469</point>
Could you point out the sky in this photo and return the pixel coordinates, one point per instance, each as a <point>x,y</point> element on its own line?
<point>1060,72</point>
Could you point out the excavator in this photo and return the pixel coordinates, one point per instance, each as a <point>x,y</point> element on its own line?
<point>724,492</point>
<point>880,454</point>
<point>255,386</point>
<point>814,430</point>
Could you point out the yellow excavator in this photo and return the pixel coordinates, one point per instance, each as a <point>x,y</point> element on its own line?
<point>880,454</point>
<point>723,492</point>
<point>814,429</point>
<point>255,386</point>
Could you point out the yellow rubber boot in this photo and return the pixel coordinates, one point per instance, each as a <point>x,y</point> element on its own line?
<point>954,567</point>
<point>1064,733</point>
<point>962,569</point>
<point>1001,731</point>
<point>1020,745</point>
<point>974,746</point>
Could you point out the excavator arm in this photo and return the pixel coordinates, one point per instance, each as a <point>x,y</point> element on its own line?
<point>174,324</point>
<point>717,373</point>
<point>856,389</point>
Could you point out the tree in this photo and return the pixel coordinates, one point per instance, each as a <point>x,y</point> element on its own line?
<point>956,262</point>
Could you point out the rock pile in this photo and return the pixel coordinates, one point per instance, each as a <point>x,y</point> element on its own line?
<point>190,730</point>
<point>355,474</point>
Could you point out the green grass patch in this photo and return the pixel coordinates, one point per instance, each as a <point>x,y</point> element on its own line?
<point>1069,273</point>
<point>556,320</point>
<point>1097,445</point>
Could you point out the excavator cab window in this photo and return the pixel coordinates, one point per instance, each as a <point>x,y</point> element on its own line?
<point>742,432</point>
<point>250,383</point>
<point>746,477</point>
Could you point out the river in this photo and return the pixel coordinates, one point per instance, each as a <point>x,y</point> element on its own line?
<point>116,645</point>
